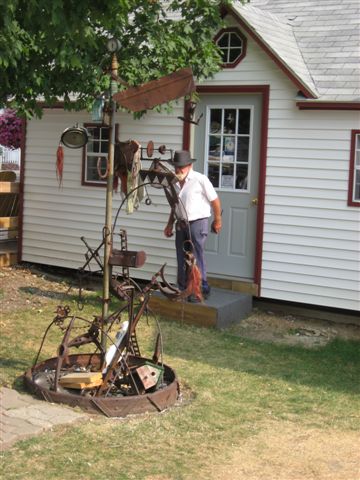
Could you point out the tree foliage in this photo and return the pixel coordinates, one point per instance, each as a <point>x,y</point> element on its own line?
<point>52,49</point>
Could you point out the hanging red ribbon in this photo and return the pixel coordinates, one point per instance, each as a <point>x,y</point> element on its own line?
<point>60,164</point>
<point>194,282</point>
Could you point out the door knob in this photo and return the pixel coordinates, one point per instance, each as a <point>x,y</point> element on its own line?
<point>255,201</point>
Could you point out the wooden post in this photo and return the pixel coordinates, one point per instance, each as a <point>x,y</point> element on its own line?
<point>109,191</point>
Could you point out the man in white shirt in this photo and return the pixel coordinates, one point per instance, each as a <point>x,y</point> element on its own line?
<point>197,198</point>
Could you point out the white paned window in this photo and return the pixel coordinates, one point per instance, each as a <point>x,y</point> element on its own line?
<point>228,141</point>
<point>232,46</point>
<point>95,155</point>
<point>354,176</point>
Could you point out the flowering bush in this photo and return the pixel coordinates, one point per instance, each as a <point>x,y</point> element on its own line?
<point>10,129</point>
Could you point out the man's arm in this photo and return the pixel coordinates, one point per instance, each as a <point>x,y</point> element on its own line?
<point>168,230</point>
<point>217,223</point>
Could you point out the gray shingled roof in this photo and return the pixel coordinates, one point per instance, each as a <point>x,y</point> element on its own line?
<point>318,41</point>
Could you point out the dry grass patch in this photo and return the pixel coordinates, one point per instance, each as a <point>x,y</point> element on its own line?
<point>288,451</point>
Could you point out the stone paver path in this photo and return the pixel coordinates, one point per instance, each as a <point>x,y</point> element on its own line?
<point>23,416</point>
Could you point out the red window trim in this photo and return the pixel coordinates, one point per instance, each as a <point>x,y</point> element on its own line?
<point>351,202</point>
<point>243,38</point>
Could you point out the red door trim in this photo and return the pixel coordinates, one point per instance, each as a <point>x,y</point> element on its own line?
<point>264,90</point>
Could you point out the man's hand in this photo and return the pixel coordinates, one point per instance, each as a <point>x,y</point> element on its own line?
<point>216,226</point>
<point>168,231</point>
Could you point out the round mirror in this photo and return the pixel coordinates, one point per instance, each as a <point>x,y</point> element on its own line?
<point>75,137</point>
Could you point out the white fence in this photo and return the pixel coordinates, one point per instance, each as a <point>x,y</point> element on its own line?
<point>9,159</point>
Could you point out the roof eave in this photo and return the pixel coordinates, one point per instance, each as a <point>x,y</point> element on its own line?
<point>327,105</point>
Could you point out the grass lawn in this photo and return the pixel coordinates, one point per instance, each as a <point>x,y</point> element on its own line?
<point>232,388</point>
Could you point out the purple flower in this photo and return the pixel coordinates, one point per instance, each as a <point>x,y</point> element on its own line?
<point>10,129</point>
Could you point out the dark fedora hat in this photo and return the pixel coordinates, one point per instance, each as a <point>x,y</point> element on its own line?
<point>182,158</point>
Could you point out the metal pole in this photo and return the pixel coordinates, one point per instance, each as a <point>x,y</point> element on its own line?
<point>109,192</point>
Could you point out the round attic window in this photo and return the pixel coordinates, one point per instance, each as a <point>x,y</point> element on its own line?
<point>232,45</point>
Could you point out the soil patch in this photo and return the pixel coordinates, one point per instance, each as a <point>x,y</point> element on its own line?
<point>294,330</point>
<point>29,286</point>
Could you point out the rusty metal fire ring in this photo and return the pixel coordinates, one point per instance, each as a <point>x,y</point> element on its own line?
<point>156,401</point>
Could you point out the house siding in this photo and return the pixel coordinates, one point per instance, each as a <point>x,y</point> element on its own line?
<point>311,242</point>
<point>55,218</point>
<point>311,237</point>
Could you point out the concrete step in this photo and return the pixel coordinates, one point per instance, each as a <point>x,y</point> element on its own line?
<point>221,309</point>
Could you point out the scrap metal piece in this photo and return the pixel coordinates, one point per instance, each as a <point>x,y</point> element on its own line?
<point>63,352</point>
<point>157,92</point>
<point>62,312</point>
<point>92,254</point>
<point>190,115</point>
<point>125,343</point>
<point>157,350</point>
<point>121,290</point>
<point>92,336</point>
<point>150,149</point>
<point>147,154</point>
<point>126,258</point>
<point>149,375</point>
<point>158,175</point>
<point>170,292</point>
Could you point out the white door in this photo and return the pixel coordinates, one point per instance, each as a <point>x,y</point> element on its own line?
<point>227,149</point>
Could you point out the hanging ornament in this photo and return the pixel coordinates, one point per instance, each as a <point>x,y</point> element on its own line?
<point>97,110</point>
<point>60,164</point>
<point>193,286</point>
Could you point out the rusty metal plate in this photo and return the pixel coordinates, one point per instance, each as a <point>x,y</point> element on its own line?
<point>126,258</point>
<point>156,92</point>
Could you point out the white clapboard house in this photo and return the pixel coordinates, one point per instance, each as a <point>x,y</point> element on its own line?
<point>279,138</point>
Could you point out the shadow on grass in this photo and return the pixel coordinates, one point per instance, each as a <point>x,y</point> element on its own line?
<point>333,367</point>
<point>14,363</point>
<point>19,385</point>
<point>92,299</point>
